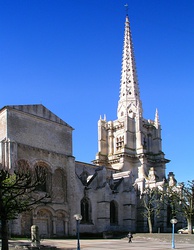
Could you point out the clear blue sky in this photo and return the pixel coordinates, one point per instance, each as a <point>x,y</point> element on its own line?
<point>66,54</point>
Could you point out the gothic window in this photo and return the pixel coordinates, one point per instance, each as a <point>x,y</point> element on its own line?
<point>85,210</point>
<point>113,213</point>
<point>119,143</point>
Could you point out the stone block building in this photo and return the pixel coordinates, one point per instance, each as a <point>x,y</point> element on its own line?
<point>105,193</point>
<point>26,135</point>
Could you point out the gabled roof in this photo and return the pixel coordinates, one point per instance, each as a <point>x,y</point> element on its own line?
<point>37,110</point>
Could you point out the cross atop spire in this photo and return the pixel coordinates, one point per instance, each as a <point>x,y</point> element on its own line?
<point>126,8</point>
<point>129,101</point>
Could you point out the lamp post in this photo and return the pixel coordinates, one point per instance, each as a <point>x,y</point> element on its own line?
<point>173,222</point>
<point>78,217</point>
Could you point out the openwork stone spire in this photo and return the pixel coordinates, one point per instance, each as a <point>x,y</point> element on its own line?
<point>129,101</point>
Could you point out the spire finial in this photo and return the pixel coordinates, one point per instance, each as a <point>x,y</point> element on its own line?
<point>126,8</point>
<point>157,121</point>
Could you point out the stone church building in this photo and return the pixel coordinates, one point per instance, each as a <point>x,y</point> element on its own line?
<point>105,193</point>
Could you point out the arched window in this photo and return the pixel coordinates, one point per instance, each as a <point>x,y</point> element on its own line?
<point>113,213</point>
<point>85,210</point>
<point>45,186</point>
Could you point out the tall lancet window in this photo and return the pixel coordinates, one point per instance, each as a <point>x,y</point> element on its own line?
<point>113,213</point>
<point>86,210</point>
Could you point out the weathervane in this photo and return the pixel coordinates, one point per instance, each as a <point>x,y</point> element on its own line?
<point>126,8</point>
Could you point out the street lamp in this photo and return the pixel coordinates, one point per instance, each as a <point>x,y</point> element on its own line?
<point>173,222</point>
<point>78,217</point>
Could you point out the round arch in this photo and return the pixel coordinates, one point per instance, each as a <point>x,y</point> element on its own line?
<point>43,218</point>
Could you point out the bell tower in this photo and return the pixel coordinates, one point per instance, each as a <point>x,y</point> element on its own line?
<point>131,142</point>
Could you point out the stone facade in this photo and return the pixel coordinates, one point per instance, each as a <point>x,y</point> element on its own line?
<point>131,143</point>
<point>109,197</point>
<point>33,135</point>
<point>106,193</point>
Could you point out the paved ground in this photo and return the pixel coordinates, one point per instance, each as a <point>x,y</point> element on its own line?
<point>140,241</point>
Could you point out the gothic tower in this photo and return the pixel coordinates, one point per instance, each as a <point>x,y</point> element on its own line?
<point>131,143</point>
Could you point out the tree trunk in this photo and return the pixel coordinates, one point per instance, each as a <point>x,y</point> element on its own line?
<point>150,225</point>
<point>4,235</point>
<point>190,226</point>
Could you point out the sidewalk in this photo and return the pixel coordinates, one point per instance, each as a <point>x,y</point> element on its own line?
<point>140,241</point>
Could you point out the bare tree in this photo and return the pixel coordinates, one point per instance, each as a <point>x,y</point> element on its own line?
<point>186,200</point>
<point>171,197</point>
<point>181,200</point>
<point>151,205</point>
<point>18,193</point>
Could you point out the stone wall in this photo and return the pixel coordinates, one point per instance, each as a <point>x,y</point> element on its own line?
<point>39,132</point>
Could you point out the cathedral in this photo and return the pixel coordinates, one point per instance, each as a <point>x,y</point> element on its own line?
<point>105,192</point>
